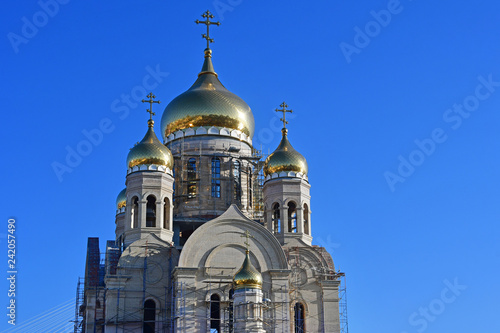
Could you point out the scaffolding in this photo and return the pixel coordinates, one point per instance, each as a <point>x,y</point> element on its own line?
<point>181,305</point>
<point>327,273</point>
<point>250,189</point>
<point>342,302</point>
<point>79,306</point>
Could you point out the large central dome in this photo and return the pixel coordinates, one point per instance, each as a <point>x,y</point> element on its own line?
<point>207,104</point>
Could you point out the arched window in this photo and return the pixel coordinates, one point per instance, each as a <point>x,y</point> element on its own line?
<point>292,217</point>
<point>299,318</point>
<point>166,213</point>
<point>191,178</point>
<point>250,184</point>
<point>215,177</point>
<point>237,181</point>
<point>135,212</point>
<point>215,313</point>
<point>276,218</point>
<point>151,211</point>
<point>306,219</point>
<point>231,311</point>
<point>149,316</point>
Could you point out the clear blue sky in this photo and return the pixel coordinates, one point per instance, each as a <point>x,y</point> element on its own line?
<point>363,92</point>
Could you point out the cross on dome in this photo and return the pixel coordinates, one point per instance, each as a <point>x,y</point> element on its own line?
<point>247,235</point>
<point>150,101</point>
<point>207,22</point>
<point>284,110</point>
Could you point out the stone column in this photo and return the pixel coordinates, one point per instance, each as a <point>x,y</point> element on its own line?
<point>142,214</point>
<point>269,219</point>
<point>300,220</point>
<point>128,217</point>
<point>159,214</point>
<point>284,220</point>
<point>330,305</point>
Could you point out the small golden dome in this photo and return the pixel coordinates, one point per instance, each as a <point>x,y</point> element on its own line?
<point>121,200</point>
<point>207,103</point>
<point>248,276</point>
<point>285,158</point>
<point>150,151</point>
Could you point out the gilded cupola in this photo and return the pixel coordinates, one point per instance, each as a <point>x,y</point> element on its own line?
<point>121,200</point>
<point>150,151</point>
<point>285,158</point>
<point>207,104</point>
<point>248,276</point>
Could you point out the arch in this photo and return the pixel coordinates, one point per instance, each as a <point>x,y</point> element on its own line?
<point>189,132</point>
<point>149,316</point>
<point>215,313</point>
<point>213,130</point>
<point>306,219</point>
<point>151,211</point>
<point>201,130</point>
<point>166,213</point>
<point>215,177</point>
<point>299,318</point>
<point>191,177</point>
<point>276,221</point>
<point>266,254</point>
<point>135,212</point>
<point>292,216</point>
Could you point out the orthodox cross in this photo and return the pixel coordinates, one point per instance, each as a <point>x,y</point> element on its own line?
<point>208,16</point>
<point>284,110</point>
<point>247,235</point>
<point>150,101</point>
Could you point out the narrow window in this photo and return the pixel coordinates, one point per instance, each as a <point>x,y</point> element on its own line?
<point>299,318</point>
<point>149,316</point>
<point>215,177</point>
<point>135,212</point>
<point>306,219</point>
<point>191,178</point>
<point>250,184</point>
<point>237,181</point>
<point>166,213</point>
<point>231,311</point>
<point>214,313</point>
<point>276,218</point>
<point>173,186</point>
<point>292,217</point>
<point>151,212</point>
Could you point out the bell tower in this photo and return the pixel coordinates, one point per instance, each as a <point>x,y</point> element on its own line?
<point>149,189</point>
<point>287,191</point>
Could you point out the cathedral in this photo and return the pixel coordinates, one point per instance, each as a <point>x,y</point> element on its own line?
<point>210,236</point>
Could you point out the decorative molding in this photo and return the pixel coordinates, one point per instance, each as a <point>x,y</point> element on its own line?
<point>202,130</point>
<point>284,174</point>
<point>149,167</point>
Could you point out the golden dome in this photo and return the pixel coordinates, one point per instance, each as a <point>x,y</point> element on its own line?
<point>121,200</point>
<point>207,103</point>
<point>248,276</point>
<point>285,158</point>
<point>150,151</point>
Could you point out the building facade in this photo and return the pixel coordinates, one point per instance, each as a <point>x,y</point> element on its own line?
<point>210,237</point>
